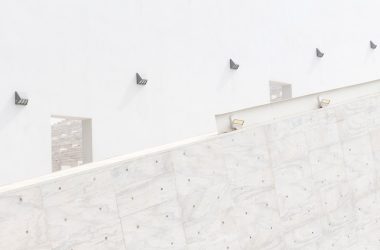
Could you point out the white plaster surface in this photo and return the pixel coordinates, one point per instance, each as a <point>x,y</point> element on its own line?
<point>309,181</point>
<point>78,58</point>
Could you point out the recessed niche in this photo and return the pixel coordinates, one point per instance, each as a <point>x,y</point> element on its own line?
<point>279,91</point>
<point>71,142</point>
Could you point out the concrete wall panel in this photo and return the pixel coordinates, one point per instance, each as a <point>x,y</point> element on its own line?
<point>23,220</point>
<point>309,181</point>
<point>157,227</point>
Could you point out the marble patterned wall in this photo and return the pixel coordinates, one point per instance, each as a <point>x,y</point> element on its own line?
<point>309,181</point>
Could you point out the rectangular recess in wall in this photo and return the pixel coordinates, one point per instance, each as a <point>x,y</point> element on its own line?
<point>71,142</point>
<point>279,91</point>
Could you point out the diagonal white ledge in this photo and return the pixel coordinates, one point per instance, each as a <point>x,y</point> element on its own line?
<point>160,149</point>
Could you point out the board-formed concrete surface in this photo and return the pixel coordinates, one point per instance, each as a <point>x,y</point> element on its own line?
<point>310,181</point>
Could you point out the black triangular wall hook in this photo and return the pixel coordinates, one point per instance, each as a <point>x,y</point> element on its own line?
<point>140,80</point>
<point>372,45</point>
<point>19,100</point>
<point>234,65</point>
<point>319,53</point>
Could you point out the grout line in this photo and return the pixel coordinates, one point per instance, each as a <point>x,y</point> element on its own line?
<point>117,207</point>
<point>178,201</point>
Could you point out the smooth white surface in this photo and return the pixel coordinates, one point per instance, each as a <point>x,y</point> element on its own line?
<point>79,58</point>
<point>309,181</point>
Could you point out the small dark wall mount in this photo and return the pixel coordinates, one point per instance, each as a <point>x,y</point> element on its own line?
<point>140,80</point>
<point>19,100</point>
<point>234,65</point>
<point>372,45</point>
<point>319,53</point>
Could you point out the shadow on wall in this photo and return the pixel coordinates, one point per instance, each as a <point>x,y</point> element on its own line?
<point>130,93</point>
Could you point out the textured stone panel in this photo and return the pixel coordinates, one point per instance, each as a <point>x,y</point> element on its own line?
<point>208,215</point>
<point>157,227</point>
<point>350,109</point>
<point>199,166</point>
<point>360,165</point>
<point>22,221</point>
<point>242,139</point>
<point>140,170</point>
<point>250,167</point>
<point>327,165</point>
<point>323,135</point>
<point>341,238</point>
<point>353,126</point>
<point>146,194</point>
<point>257,217</point>
<point>305,182</point>
<point>290,148</point>
<point>304,236</point>
<point>81,213</point>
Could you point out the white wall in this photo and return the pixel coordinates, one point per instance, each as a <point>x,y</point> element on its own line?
<point>79,58</point>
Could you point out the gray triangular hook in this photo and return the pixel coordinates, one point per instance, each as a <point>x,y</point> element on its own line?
<point>140,80</point>
<point>319,53</point>
<point>234,65</point>
<point>19,100</point>
<point>372,45</point>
